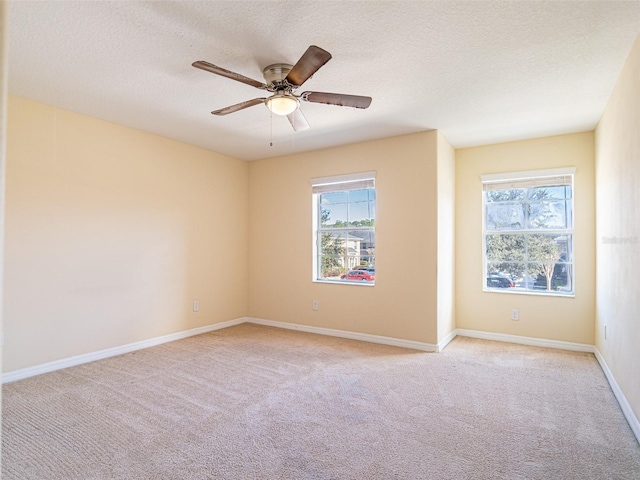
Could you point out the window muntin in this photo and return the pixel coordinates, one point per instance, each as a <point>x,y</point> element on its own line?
<point>528,234</point>
<point>345,241</point>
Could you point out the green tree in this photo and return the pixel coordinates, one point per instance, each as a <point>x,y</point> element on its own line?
<point>506,254</point>
<point>369,222</point>
<point>545,252</point>
<point>330,245</point>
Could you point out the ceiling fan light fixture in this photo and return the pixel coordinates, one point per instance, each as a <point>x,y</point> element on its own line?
<point>282,104</point>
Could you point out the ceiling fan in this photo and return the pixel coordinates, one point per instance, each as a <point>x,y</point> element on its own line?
<point>282,80</point>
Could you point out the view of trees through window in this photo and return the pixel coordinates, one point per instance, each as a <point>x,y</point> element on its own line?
<point>529,239</point>
<point>346,235</point>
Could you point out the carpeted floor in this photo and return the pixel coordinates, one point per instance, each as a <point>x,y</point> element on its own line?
<point>253,402</point>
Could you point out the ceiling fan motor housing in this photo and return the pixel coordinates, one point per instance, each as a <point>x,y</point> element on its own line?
<point>276,73</point>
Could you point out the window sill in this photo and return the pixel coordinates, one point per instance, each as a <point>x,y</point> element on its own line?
<point>541,293</point>
<point>341,282</point>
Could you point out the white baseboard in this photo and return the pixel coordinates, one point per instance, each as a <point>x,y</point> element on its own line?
<point>112,352</point>
<point>364,337</point>
<point>535,342</point>
<point>622,400</point>
<point>446,340</point>
<point>27,372</point>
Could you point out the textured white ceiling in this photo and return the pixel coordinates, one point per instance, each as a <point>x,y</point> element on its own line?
<point>480,71</point>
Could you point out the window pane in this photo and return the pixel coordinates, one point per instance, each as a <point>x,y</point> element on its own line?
<point>548,215</point>
<point>505,247</point>
<point>333,215</point>
<point>561,280</point>
<point>496,279</point>
<point>331,266</point>
<point>512,195</point>
<point>332,243</point>
<point>503,216</point>
<point>358,195</point>
<point>546,248</point>
<point>362,214</point>
<point>512,270</point>
<point>526,280</point>
<point>353,262</point>
<point>533,280</point>
<point>360,244</point>
<point>367,238</point>
<point>556,277</point>
<point>333,197</point>
<point>368,262</point>
<point>548,193</point>
<point>505,254</point>
<point>549,255</point>
<point>353,248</point>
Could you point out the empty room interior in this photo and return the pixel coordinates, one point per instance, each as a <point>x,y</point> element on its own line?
<point>431,273</point>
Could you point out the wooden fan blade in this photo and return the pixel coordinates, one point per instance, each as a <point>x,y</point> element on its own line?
<point>239,106</point>
<point>298,120</point>
<point>210,67</point>
<point>309,63</point>
<point>355,101</point>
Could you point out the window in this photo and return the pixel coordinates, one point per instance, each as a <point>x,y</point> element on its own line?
<point>344,228</point>
<point>528,232</point>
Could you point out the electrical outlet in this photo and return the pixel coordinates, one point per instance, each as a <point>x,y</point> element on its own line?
<point>314,305</point>
<point>196,305</point>
<point>515,315</point>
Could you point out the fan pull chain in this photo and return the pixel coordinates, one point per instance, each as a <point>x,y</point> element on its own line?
<point>271,129</point>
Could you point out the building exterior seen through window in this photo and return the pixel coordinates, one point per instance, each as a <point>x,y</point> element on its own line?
<point>344,233</point>
<point>528,232</point>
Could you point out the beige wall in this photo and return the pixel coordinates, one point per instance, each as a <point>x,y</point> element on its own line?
<point>446,237</point>
<point>3,130</point>
<point>554,318</point>
<point>618,231</point>
<point>111,233</point>
<point>402,304</point>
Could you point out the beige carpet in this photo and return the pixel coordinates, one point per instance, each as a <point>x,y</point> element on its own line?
<point>253,402</point>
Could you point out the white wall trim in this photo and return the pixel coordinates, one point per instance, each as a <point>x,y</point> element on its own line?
<point>345,178</point>
<point>446,340</point>
<point>363,337</point>
<point>535,342</point>
<point>523,175</point>
<point>622,400</point>
<point>27,372</point>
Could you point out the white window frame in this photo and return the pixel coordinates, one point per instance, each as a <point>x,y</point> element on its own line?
<point>351,181</point>
<point>529,179</point>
